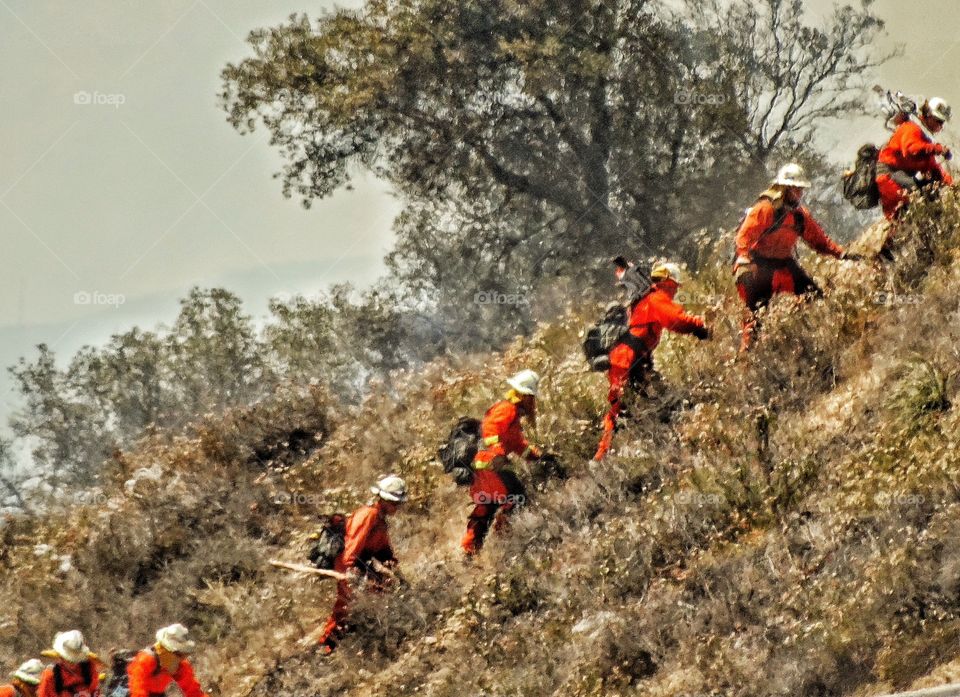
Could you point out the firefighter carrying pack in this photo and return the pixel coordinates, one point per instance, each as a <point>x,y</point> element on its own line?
<point>329,542</point>
<point>860,183</point>
<point>614,327</point>
<point>461,448</point>
<point>779,217</point>
<point>119,684</point>
<point>604,335</point>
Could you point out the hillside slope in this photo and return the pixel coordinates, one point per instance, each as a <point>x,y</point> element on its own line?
<point>781,524</point>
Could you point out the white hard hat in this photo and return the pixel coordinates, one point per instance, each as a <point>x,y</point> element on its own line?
<point>939,109</point>
<point>792,174</point>
<point>176,639</point>
<point>390,488</point>
<point>71,647</point>
<point>525,382</point>
<point>29,672</point>
<point>666,270</point>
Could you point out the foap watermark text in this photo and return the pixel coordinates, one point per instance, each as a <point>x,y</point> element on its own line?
<point>86,297</point>
<point>95,98</point>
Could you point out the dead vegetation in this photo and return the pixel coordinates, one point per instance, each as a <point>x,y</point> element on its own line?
<point>779,525</point>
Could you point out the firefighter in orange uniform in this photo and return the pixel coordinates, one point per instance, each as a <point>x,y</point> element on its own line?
<point>631,361</point>
<point>766,244</point>
<point>496,491</point>
<point>908,162</point>
<point>76,670</point>
<point>366,547</point>
<point>24,681</point>
<point>154,671</point>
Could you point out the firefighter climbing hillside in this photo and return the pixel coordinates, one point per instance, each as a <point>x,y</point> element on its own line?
<point>367,554</point>
<point>766,243</point>
<point>908,162</point>
<point>496,491</point>
<point>165,666</point>
<point>75,671</point>
<point>631,360</point>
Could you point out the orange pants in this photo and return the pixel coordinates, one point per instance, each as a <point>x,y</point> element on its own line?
<point>627,366</point>
<point>893,196</point>
<point>757,288</point>
<point>491,495</point>
<point>335,627</point>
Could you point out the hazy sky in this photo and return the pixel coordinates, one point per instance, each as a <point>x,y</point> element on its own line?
<point>120,176</point>
<point>121,181</point>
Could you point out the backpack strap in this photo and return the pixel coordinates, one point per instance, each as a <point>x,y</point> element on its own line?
<point>638,297</point>
<point>157,668</point>
<point>631,339</point>
<point>778,218</point>
<point>86,672</point>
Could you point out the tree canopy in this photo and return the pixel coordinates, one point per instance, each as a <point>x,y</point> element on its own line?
<point>549,133</point>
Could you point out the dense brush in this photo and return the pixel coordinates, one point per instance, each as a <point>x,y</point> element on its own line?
<point>782,523</point>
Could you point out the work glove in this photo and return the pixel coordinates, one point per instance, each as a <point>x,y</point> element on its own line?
<point>947,153</point>
<point>702,333</point>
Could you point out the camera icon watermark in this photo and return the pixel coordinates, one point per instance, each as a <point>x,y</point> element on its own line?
<point>90,498</point>
<point>489,297</point>
<point>95,98</point>
<point>86,297</point>
<point>686,298</point>
<point>287,297</point>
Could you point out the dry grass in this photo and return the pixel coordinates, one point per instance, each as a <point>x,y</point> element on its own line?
<point>779,525</point>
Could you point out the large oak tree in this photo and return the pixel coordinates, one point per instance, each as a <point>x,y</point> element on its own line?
<point>529,139</point>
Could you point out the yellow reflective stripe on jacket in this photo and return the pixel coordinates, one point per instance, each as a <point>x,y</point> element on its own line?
<point>491,440</point>
<point>477,465</point>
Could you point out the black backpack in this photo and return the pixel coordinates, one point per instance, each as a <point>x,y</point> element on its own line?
<point>329,542</point>
<point>461,447</point>
<point>603,336</point>
<point>860,183</point>
<point>119,683</point>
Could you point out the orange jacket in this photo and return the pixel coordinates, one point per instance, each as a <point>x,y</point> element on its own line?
<point>366,538</point>
<point>10,691</point>
<point>148,679</point>
<point>501,434</point>
<point>910,150</point>
<point>780,243</point>
<point>657,311</point>
<point>72,681</point>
